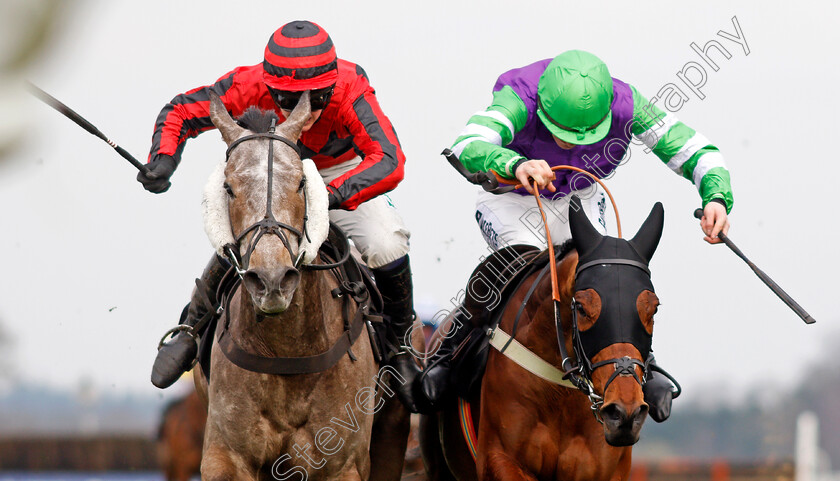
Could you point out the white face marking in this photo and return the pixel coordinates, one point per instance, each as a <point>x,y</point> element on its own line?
<point>246,172</point>
<point>254,175</point>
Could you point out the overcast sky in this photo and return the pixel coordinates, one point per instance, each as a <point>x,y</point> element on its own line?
<point>95,269</point>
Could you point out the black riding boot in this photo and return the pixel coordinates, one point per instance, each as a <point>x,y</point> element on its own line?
<point>394,283</point>
<point>434,384</point>
<point>658,392</point>
<point>177,356</point>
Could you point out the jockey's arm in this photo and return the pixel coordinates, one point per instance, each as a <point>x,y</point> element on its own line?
<point>480,145</point>
<point>188,114</point>
<point>375,139</point>
<point>689,154</point>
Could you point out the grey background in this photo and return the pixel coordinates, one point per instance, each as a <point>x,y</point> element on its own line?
<point>95,269</point>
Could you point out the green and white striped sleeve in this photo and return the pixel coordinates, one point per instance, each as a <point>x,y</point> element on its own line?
<point>687,152</point>
<point>480,146</point>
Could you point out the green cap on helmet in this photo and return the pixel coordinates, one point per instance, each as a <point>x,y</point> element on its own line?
<point>574,97</point>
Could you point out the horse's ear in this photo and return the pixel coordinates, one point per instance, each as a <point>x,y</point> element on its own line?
<point>646,240</point>
<point>222,120</point>
<point>586,237</point>
<point>293,126</point>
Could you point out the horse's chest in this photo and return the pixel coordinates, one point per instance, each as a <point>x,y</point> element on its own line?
<point>555,454</point>
<point>581,459</point>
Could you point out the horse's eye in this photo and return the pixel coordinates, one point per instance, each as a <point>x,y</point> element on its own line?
<point>229,190</point>
<point>302,183</point>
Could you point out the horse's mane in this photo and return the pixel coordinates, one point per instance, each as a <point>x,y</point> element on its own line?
<point>257,120</point>
<point>563,249</point>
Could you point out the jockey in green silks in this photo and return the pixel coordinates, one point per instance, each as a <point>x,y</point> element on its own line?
<point>569,110</point>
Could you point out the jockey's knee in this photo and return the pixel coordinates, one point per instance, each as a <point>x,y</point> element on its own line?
<point>381,250</point>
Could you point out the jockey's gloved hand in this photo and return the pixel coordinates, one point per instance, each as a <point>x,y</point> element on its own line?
<point>658,395</point>
<point>161,169</point>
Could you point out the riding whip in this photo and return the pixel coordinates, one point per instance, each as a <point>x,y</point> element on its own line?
<point>83,123</point>
<point>764,277</point>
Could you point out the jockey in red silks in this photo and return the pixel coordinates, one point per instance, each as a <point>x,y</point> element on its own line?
<point>350,140</point>
<point>569,110</point>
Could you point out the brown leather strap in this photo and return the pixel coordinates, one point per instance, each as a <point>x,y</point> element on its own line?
<point>292,365</point>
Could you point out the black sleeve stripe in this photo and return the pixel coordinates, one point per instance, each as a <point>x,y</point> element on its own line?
<point>361,71</point>
<point>305,152</point>
<point>336,147</point>
<point>381,169</point>
<point>195,126</point>
<point>158,129</point>
<point>221,87</point>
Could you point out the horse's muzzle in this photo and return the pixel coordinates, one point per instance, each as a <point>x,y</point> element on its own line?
<point>271,289</point>
<point>621,428</point>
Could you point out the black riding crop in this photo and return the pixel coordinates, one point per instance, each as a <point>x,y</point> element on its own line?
<point>83,123</point>
<point>764,277</point>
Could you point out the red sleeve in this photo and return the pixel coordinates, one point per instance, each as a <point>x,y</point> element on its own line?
<point>188,114</point>
<point>383,159</point>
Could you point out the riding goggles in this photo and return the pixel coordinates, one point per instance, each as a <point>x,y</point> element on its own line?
<point>287,100</point>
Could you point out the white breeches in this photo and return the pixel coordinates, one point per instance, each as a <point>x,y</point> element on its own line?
<point>511,218</point>
<point>375,227</point>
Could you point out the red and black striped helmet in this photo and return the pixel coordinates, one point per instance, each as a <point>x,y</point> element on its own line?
<point>300,56</point>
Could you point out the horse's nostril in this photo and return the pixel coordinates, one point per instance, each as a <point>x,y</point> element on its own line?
<point>290,280</point>
<point>613,412</point>
<point>253,282</point>
<point>265,282</point>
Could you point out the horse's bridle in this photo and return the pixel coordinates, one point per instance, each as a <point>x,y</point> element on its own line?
<point>580,370</point>
<point>269,224</point>
<point>624,366</point>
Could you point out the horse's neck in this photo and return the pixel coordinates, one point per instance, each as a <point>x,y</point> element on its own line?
<point>301,330</point>
<point>540,331</point>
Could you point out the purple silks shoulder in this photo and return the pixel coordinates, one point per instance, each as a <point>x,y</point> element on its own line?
<point>534,141</point>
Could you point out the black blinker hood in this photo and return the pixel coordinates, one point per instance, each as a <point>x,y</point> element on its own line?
<point>618,281</point>
<point>617,269</point>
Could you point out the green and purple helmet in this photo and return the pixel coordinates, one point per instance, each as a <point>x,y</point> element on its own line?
<point>574,97</point>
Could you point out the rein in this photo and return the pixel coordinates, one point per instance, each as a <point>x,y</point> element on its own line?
<point>580,373</point>
<point>573,374</point>
<point>577,374</point>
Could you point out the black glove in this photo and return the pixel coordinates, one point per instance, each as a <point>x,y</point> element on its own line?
<point>161,169</point>
<point>658,395</point>
<point>334,199</point>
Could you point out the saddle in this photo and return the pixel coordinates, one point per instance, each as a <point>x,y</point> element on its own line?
<point>469,358</point>
<point>355,284</point>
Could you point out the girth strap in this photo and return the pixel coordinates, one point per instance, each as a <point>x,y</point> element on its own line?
<point>293,365</point>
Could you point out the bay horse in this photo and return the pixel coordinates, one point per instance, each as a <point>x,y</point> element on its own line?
<point>181,436</point>
<point>266,210</point>
<point>597,347</point>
